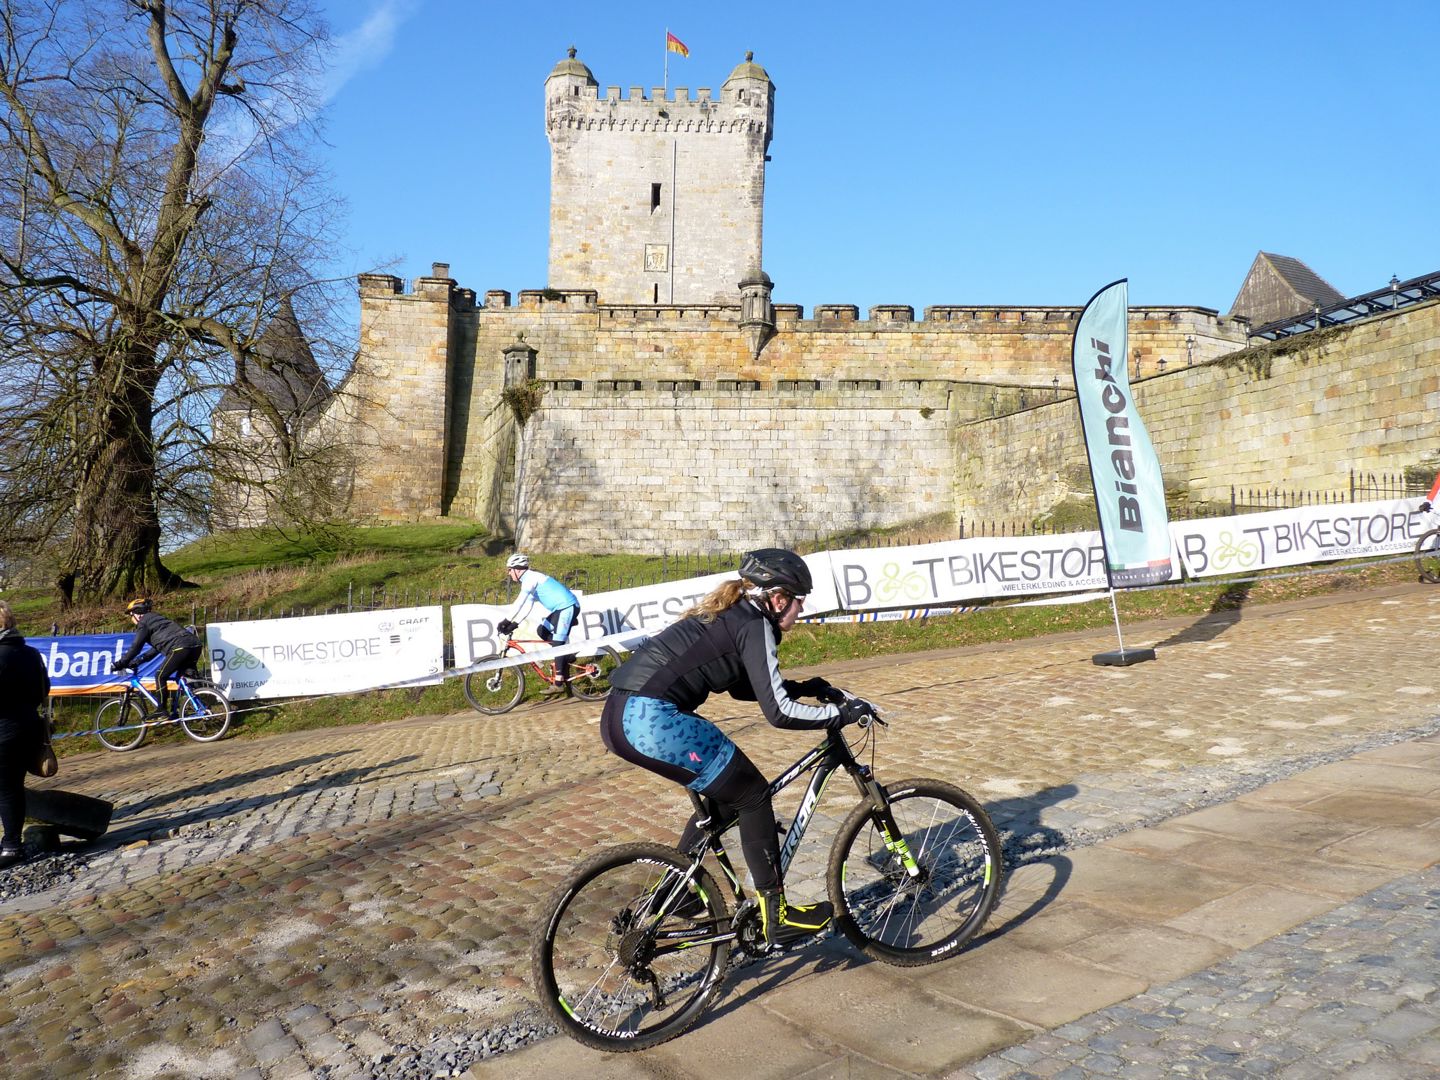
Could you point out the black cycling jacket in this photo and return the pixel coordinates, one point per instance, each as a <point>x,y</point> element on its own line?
<point>690,660</point>
<point>162,634</point>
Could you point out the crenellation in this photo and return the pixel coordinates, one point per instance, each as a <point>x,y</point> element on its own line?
<point>658,333</point>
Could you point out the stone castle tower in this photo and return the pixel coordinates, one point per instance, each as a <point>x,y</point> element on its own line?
<point>657,200</point>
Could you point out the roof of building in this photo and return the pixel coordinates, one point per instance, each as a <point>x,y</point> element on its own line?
<point>1278,287</point>
<point>282,371</point>
<point>748,69</point>
<point>571,66</point>
<point>1304,281</point>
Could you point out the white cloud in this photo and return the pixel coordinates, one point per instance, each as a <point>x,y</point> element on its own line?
<point>366,46</point>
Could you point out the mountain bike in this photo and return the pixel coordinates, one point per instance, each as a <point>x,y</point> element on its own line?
<point>123,723</point>
<point>1427,554</point>
<point>499,691</point>
<point>633,946</point>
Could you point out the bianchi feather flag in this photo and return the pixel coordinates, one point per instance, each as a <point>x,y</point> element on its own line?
<point>1129,494</point>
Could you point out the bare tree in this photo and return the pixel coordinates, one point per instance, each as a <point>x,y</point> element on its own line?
<point>158,207</point>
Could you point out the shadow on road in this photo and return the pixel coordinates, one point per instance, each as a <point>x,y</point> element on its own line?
<point>1223,614</point>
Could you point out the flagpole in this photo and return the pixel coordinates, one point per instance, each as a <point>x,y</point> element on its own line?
<point>665,80</point>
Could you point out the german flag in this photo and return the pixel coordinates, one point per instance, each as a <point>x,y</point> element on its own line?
<point>675,45</point>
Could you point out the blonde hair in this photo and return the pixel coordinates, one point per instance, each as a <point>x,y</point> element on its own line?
<point>721,598</point>
<point>7,617</point>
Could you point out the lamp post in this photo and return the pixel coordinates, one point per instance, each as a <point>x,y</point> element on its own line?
<point>1161,365</point>
<point>1137,363</point>
<point>1394,292</point>
<point>1055,388</point>
<point>1189,349</point>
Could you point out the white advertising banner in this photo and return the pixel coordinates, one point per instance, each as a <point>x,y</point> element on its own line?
<point>955,570</point>
<point>1305,534</point>
<point>646,608</point>
<point>327,654</point>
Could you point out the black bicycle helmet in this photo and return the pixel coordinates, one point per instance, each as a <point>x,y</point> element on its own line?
<point>776,568</point>
<point>139,606</point>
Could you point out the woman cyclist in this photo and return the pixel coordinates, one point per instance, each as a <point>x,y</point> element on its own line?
<point>727,643</point>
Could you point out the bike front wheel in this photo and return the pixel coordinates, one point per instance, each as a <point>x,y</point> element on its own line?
<point>590,675</point>
<point>923,912</point>
<point>1427,556</point>
<point>118,725</point>
<point>628,956</point>
<point>205,715</point>
<point>495,691</point>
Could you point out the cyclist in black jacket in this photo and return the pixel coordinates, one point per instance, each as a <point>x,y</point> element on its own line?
<point>727,644</point>
<point>179,645</point>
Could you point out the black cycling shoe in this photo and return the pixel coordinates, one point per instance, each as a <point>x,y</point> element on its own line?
<point>784,923</point>
<point>10,855</point>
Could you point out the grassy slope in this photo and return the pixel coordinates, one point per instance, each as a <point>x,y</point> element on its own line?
<point>264,569</point>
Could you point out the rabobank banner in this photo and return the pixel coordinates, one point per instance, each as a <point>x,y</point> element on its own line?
<point>327,654</point>
<point>83,663</point>
<point>1129,492</point>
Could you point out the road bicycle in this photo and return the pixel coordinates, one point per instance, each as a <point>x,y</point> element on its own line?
<point>499,691</point>
<point>1427,554</point>
<point>123,723</point>
<point>633,946</point>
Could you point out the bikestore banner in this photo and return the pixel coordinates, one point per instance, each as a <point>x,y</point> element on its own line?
<point>1129,493</point>
<point>647,608</point>
<point>620,618</point>
<point>84,663</point>
<point>954,570</point>
<point>327,654</point>
<point>1305,534</point>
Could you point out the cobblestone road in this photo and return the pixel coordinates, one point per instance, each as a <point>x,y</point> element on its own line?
<point>1354,993</point>
<point>305,904</point>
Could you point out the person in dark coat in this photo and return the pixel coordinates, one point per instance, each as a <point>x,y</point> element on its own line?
<point>24,688</point>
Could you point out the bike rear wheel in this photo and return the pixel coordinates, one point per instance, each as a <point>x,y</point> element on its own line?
<point>123,713</point>
<point>207,717</point>
<point>614,965</point>
<point>1427,556</point>
<point>912,920</point>
<point>497,691</point>
<point>590,675</point>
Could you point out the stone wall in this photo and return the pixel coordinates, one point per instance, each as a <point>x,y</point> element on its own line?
<point>1300,413</point>
<point>702,470</point>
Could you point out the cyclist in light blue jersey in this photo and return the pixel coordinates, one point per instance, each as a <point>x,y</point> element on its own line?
<point>561,609</point>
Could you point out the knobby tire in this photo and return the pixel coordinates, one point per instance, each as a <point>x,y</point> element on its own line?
<point>121,712</point>
<point>906,921</point>
<point>211,721</point>
<point>1427,556</point>
<point>596,685</point>
<point>587,957</point>
<point>494,692</point>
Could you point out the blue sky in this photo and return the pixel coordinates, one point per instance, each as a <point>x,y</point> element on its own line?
<point>929,153</point>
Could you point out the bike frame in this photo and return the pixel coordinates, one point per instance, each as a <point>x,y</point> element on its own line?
<point>823,761</point>
<point>133,686</point>
<point>518,645</point>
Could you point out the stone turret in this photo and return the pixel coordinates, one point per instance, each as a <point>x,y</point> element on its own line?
<point>658,199</point>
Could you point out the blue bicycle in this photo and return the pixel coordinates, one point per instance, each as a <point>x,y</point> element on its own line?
<point>203,712</point>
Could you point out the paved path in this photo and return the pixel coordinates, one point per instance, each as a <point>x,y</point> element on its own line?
<point>309,903</point>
